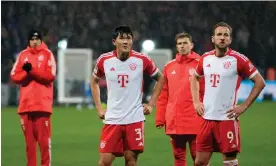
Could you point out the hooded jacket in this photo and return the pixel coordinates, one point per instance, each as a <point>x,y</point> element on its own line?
<point>175,107</point>
<point>36,87</point>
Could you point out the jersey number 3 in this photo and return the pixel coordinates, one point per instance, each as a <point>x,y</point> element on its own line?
<point>139,134</point>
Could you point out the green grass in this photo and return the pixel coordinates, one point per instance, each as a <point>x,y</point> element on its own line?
<point>75,139</point>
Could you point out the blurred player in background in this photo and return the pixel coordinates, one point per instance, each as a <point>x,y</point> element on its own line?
<point>222,69</point>
<point>123,68</point>
<point>174,107</point>
<point>35,71</point>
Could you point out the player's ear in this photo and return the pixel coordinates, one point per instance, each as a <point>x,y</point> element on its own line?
<point>113,41</point>
<point>131,41</point>
<point>213,40</point>
<point>192,45</point>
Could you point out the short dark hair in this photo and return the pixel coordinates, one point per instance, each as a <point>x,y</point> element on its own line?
<point>121,30</point>
<point>183,35</point>
<point>222,24</point>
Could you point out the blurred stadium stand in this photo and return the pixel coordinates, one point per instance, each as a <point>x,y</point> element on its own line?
<point>90,25</point>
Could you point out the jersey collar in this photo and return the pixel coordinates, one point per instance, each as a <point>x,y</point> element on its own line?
<point>115,53</point>
<point>227,52</point>
<point>180,58</point>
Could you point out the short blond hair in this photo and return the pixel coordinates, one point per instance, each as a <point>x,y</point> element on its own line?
<point>183,35</point>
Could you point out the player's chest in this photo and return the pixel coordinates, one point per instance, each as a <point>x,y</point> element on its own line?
<point>223,67</point>
<point>123,71</point>
<point>37,60</point>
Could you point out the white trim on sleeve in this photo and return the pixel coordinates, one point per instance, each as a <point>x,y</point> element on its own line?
<point>253,74</point>
<point>156,71</point>
<point>198,74</point>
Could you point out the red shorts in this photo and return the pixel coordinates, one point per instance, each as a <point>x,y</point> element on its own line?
<point>118,138</point>
<point>219,136</point>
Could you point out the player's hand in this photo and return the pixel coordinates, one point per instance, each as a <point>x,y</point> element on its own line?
<point>236,111</point>
<point>27,67</point>
<point>147,109</point>
<point>101,113</point>
<point>199,107</point>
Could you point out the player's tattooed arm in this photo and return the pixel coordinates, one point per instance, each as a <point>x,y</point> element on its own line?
<point>157,88</point>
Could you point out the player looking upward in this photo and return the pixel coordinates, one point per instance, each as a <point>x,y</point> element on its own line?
<point>123,68</point>
<point>222,69</point>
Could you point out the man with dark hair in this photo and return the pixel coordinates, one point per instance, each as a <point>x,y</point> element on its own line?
<point>123,68</point>
<point>174,108</point>
<point>35,71</point>
<point>223,69</point>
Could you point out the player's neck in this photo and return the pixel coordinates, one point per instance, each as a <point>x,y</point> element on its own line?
<point>123,56</point>
<point>221,52</point>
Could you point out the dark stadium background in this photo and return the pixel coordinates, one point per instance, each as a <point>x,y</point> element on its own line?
<point>90,25</point>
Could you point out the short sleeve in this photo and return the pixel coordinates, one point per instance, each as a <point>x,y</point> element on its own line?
<point>246,68</point>
<point>99,68</point>
<point>149,66</point>
<point>199,68</point>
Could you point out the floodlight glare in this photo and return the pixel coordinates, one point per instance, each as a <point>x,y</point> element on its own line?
<point>62,44</point>
<point>148,45</point>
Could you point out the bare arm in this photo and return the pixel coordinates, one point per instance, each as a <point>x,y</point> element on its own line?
<point>157,88</point>
<point>195,88</point>
<point>199,108</point>
<point>95,90</point>
<point>161,105</point>
<point>259,85</point>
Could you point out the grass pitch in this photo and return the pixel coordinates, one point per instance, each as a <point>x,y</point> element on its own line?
<point>75,139</point>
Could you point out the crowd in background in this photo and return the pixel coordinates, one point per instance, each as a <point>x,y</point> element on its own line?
<point>90,25</point>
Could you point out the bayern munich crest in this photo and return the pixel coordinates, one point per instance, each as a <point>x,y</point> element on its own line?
<point>226,65</point>
<point>102,144</point>
<point>133,66</point>
<point>40,58</point>
<point>191,71</point>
